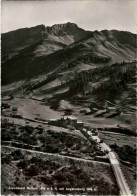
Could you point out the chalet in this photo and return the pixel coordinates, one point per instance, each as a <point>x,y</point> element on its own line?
<point>5,105</point>
<point>16,116</point>
<point>79,125</point>
<point>52,122</point>
<point>70,127</point>
<point>110,109</point>
<point>66,118</point>
<point>68,111</point>
<point>73,120</point>
<point>86,110</point>
<point>66,122</point>
<point>87,127</point>
<point>15,109</point>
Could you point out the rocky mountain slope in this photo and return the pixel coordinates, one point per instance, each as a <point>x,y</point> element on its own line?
<point>29,52</point>
<point>66,62</point>
<point>49,39</point>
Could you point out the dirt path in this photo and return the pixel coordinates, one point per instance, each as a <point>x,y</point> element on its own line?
<point>57,155</point>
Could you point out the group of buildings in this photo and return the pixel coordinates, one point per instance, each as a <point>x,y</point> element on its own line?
<point>9,110</point>
<point>69,122</point>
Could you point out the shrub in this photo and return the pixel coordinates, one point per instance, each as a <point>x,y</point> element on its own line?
<point>47,180</point>
<point>6,136</point>
<point>25,137</point>
<point>17,145</point>
<point>33,170</point>
<point>60,177</point>
<point>126,153</point>
<point>17,155</point>
<point>7,159</point>
<point>16,191</point>
<point>34,160</point>
<point>40,130</point>
<point>29,129</point>
<point>23,164</point>
<point>51,149</point>
<point>33,140</point>
<point>69,144</point>
<point>42,138</point>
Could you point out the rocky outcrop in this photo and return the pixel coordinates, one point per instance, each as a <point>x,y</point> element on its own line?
<point>21,38</point>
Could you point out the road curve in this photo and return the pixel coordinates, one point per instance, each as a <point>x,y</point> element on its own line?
<point>121,181</point>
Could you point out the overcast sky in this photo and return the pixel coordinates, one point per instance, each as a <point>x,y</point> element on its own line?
<point>90,15</point>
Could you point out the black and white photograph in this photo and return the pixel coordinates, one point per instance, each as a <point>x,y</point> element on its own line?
<point>68,97</point>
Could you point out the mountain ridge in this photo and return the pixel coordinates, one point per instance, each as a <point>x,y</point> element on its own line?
<point>47,48</point>
<point>21,38</point>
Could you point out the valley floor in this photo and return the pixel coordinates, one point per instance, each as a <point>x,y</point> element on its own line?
<point>46,145</point>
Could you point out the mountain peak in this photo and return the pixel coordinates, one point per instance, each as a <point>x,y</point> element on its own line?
<point>64,29</point>
<point>66,33</point>
<point>66,24</point>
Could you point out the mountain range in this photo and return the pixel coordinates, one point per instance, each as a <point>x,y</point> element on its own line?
<point>65,62</point>
<point>30,52</point>
<point>68,111</point>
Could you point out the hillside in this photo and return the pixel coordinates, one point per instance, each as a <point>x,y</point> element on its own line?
<point>30,52</point>
<point>68,99</point>
<point>48,39</point>
<point>90,67</point>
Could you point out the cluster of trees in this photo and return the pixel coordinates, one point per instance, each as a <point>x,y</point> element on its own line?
<point>8,131</point>
<point>126,153</point>
<point>23,134</point>
<point>64,141</point>
<point>56,142</point>
<point>93,58</point>
<point>15,155</point>
<point>27,137</point>
<point>118,78</point>
<point>51,142</point>
<point>70,175</point>
<point>5,159</point>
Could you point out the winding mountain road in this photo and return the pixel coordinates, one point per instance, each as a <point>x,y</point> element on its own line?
<point>121,181</point>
